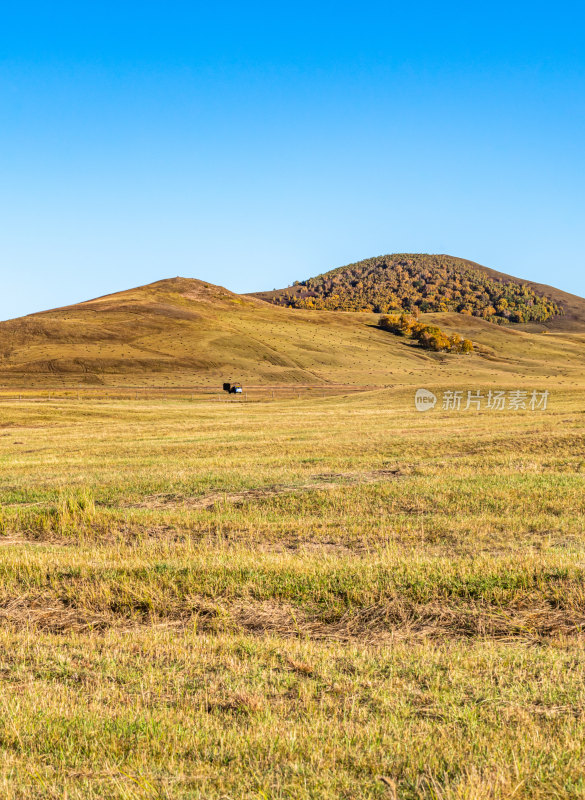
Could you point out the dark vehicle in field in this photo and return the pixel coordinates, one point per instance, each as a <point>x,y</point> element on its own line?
<point>233,388</point>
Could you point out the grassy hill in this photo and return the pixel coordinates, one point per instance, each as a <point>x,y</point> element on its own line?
<point>183,332</point>
<point>430,283</point>
<point>315,596</point>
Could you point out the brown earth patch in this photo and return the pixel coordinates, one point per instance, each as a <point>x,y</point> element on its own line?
<point>324,481</point>
<point>395,619</point>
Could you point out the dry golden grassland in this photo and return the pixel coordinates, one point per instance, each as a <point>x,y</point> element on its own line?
<point>182,333</point>
<point>319,598</point>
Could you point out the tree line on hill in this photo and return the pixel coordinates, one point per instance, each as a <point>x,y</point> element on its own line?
<point>428,336</point>
<point>422,283</point>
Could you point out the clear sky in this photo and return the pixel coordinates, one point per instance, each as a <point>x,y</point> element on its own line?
<point>251,144</point>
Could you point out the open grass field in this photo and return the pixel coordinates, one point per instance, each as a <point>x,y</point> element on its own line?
<point>185,333</point>
<point>325,597</point>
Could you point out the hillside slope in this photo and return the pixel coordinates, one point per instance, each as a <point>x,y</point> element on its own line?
<point>184,332</point>
<point>432,283</point>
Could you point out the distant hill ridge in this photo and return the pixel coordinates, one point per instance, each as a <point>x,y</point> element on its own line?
<point>183,331</point>
<point>429,283</point>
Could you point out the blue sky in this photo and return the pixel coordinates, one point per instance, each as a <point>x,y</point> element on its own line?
<point>252,144</point>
